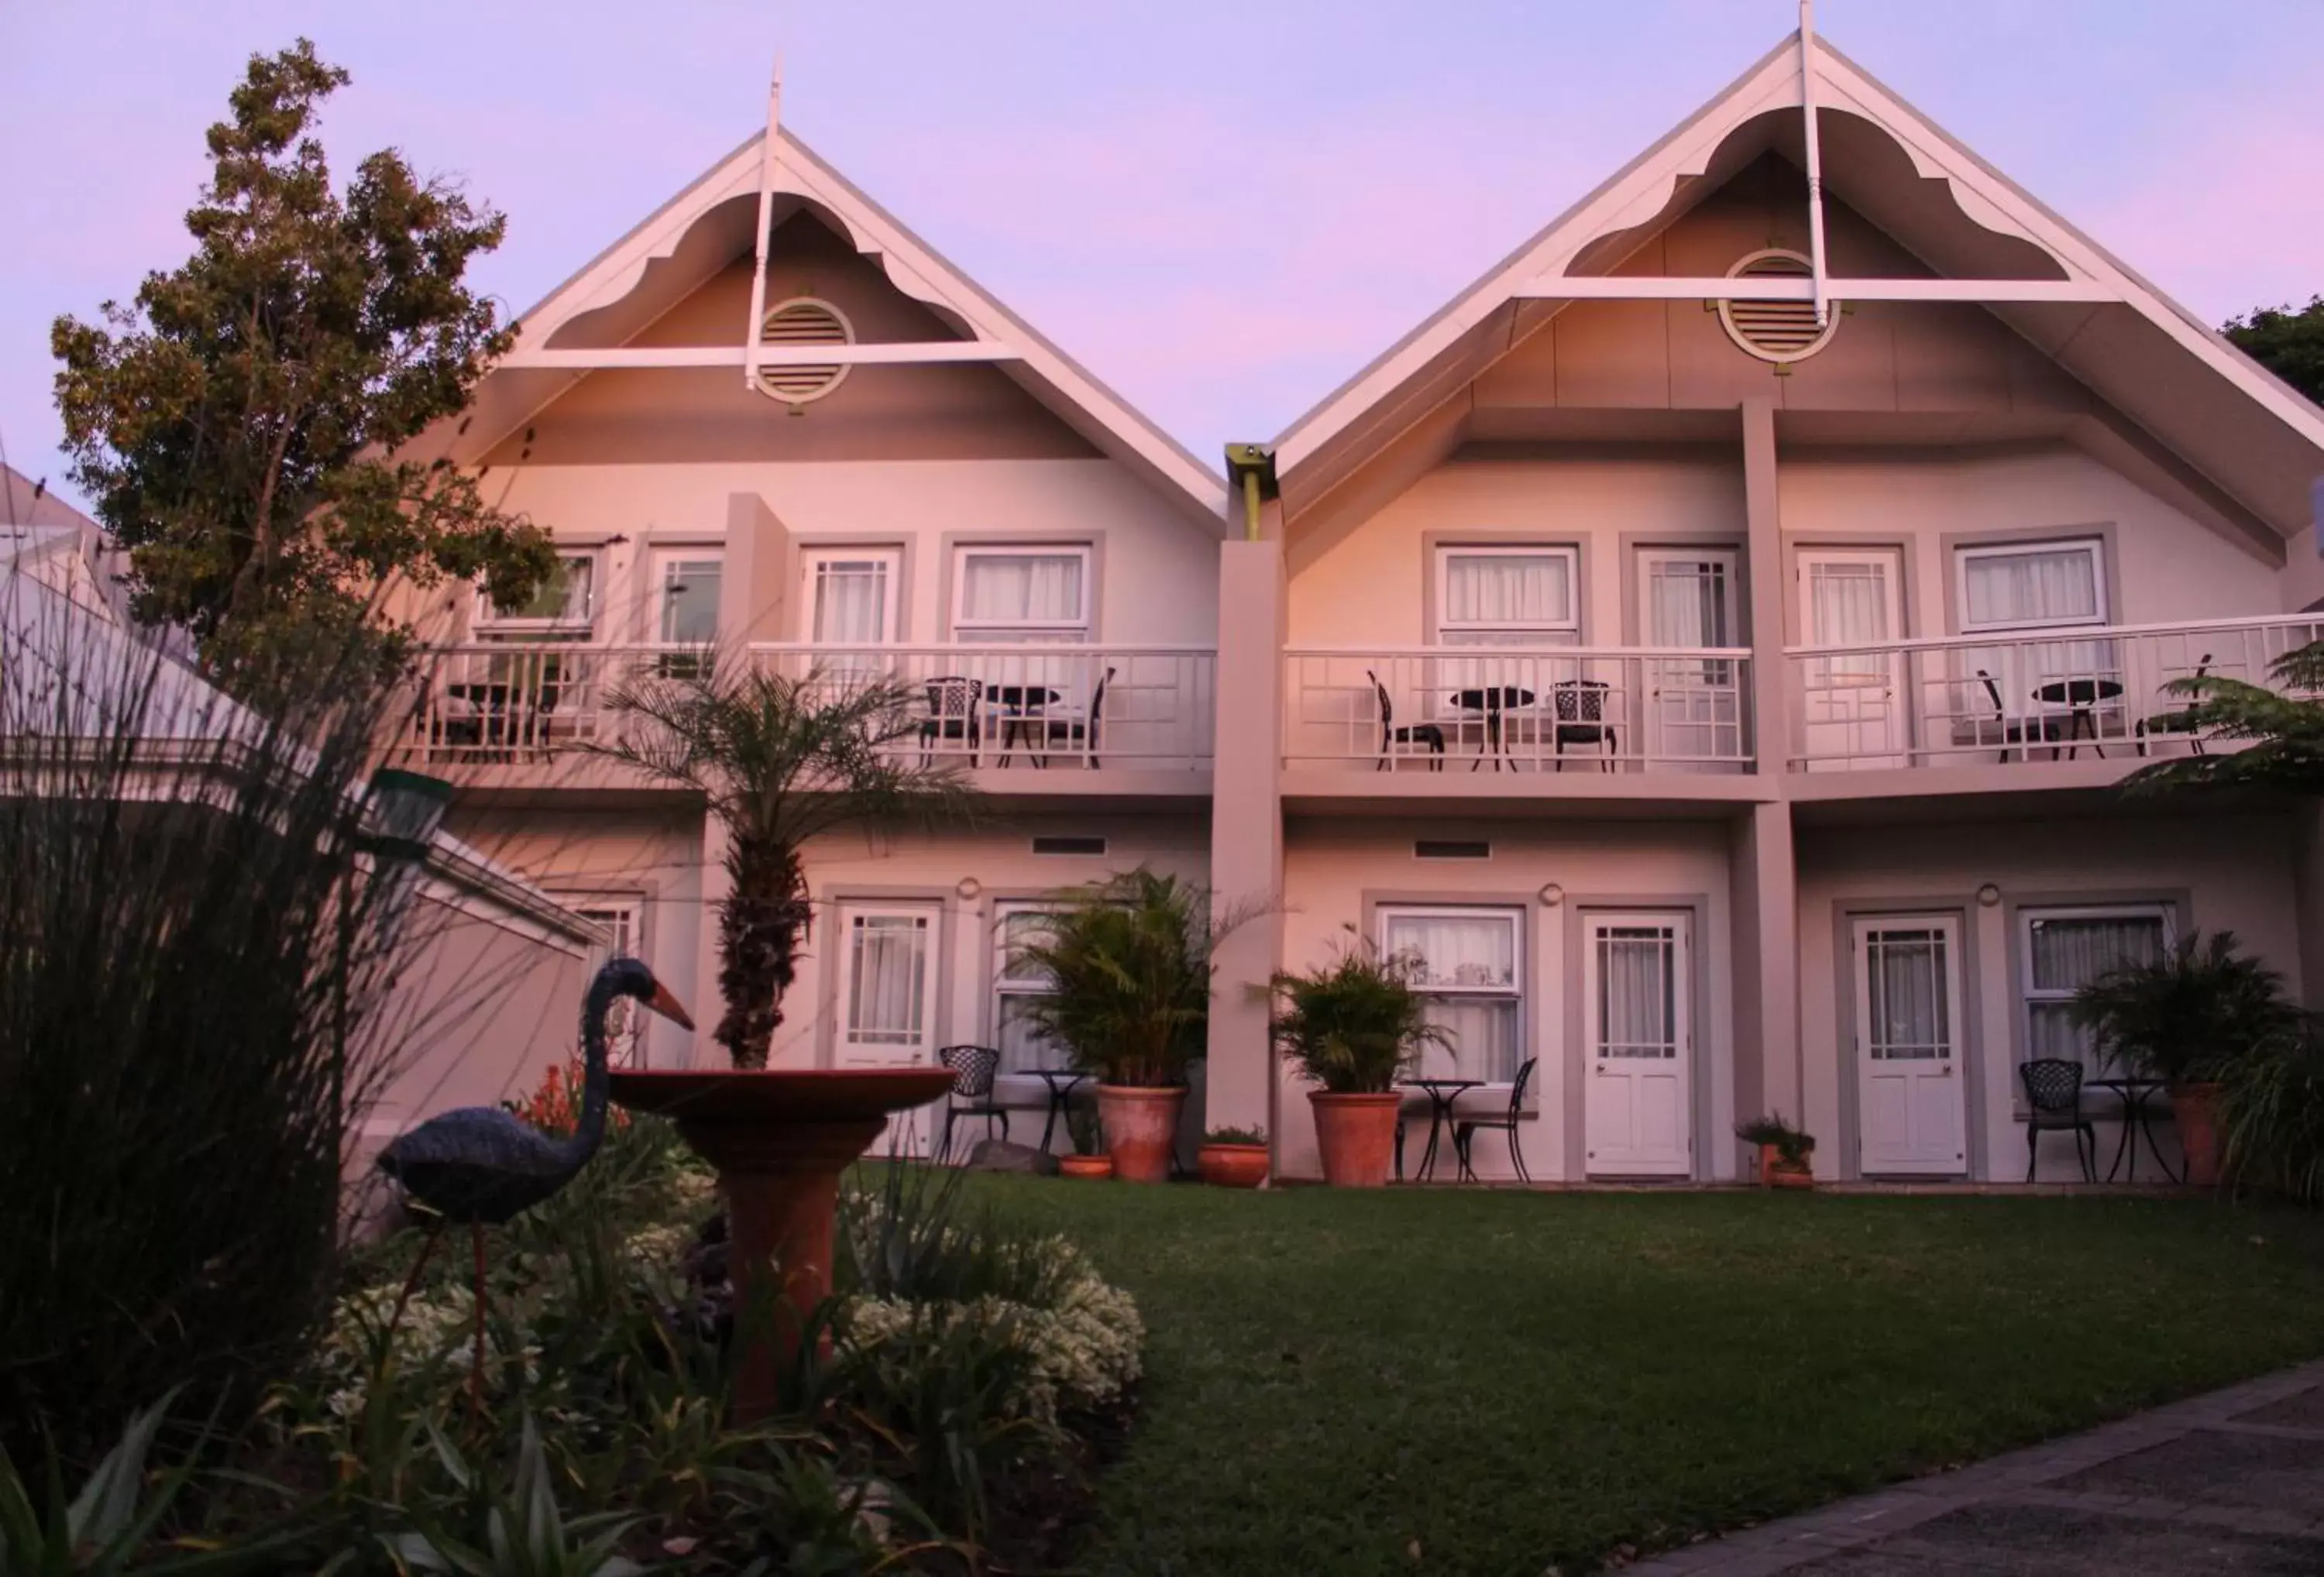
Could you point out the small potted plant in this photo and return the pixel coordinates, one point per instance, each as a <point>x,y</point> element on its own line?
<point>2186,1018</point>
<point>1234,1157</point>
<point>1087,1159</point>
<point>1353,1027</point>
<point>1128,963</point>
<point>1786,1154</point>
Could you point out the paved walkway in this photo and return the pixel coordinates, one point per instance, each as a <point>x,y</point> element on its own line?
<point>2226,1485</point>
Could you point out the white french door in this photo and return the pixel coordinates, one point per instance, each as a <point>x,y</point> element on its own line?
<point>1912,1113</point>
<point>850,600</point>
<point>1693,707</point>
<point>1853,704</point>
<point>887,1003</point>
<point>1639,1113</point>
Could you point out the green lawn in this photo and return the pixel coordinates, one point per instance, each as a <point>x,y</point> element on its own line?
<point>1509,1380</point>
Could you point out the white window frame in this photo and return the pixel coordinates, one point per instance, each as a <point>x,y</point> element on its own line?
<point>2030,995</point>
<point>1514,992</point>
<point>1566,631</point>
<point>812,556</point>
<point>622,914</point>
<point>1005,986</point>
<point>490,621</point>
<point>665,562</point>
<point>2092,547</point>
<point>968,631</point>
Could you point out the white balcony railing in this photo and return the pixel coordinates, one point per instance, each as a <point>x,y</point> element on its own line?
<point>2035,696</point>
<point>994,706</point>
<point>1424,708</point>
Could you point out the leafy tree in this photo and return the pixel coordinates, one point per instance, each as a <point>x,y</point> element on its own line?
<point>238,428</point>
<point>2284,728</point>
<point>2289,344</point>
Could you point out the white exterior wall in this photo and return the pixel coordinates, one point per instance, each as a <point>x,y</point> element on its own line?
<point>1333,868</point>
<point>2219,870</point>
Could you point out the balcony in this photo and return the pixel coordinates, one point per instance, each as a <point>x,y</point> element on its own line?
<point>1511,722</point>
<point>527,712</point>
<point>2053,695</point>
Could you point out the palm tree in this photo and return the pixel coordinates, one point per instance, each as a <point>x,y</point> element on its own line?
<point>2284,726</point>
<point>782,761</point>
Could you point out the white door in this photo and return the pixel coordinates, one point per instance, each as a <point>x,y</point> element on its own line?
<point>1637,1116</point>
<point>1694,710</point>
<point>1852,707</point>
<point>849,602</point>
<point>1911,1116</point>
<point>887,1004</point>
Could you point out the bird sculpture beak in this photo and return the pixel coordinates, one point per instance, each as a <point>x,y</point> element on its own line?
<point>668,1006</point>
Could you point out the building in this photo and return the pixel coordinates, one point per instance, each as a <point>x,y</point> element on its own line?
<point>1711,641</point>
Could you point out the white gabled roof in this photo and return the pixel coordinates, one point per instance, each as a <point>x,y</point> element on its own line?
<point>2252,433</point>
<point>707,224</point>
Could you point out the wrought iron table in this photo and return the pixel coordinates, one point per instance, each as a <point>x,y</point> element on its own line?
<point>2083,697</point>
<point>1492,700</point>
<point>2133,1092</point>
<point>1441,1093</point>
<point>1061,1082</point>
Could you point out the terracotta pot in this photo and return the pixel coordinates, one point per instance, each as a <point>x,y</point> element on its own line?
<point>1084,1165</point>
<point>1774,1172</point>
<point>1357,1134</point>
<point>1233,1166</point>
<point>2195,1108</point>
<point>1142,1128</point>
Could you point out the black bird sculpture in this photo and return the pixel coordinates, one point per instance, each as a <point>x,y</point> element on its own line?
<point>483,1164</point>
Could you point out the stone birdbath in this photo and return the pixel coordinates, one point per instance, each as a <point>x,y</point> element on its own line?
<point>779,1140</point>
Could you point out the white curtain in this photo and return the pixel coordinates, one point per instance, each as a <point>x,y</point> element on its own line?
<point>2069,953</point>
<point>1907,988</point>
<point>2040,586</point>
<point>689,602</point>
<point>1022,1051</point>
<point>1686,604</point>
<point>891,966</point>
<point>999,590</point>
<point>1472,951</point>
<point>1483,1034</point>
<point>851,601</point>
<point>1513,589</point>
<point>1636,1009</point>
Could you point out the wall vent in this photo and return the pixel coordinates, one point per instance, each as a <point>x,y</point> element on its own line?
<point>1068,845</point>
<point>801,322</point>
<point>1782,332</point>
<point>1451,849</point>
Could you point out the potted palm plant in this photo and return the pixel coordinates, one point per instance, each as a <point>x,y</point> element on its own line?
<point>2186,1018</point>
<point>1786,1154</point>
<point>1233,1157</point>
<point>1128,963</point>
<point>1353,1027</point>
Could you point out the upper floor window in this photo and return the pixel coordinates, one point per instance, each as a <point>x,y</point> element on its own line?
<point>1021,593</point>
<point>687,589</point>
<point>1469,971</point>
<point>564,604</point>
<point>1508,596</point>
<point>2031,585</point>
<point>850,595</point>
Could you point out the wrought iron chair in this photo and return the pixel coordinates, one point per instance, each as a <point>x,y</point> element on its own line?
<point>2007,733</point>
<point>1424,734</point>
<point>2054,1101</point>
<point>1465,1130</point>
<point>1580,708</point>
<point>2183,720</point>
<point>954,704</point>
<point>970,1095</point>
<point>1082,732</point>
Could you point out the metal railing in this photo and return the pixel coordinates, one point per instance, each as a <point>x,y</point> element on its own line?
<point>2048,695</point>
<point>1425,708</point>
<point>1005,706</point>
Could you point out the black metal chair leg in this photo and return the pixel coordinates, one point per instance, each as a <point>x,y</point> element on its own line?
<point>1516,1155</point>
<point>2032,1150</point>
<point>1399,1149</point>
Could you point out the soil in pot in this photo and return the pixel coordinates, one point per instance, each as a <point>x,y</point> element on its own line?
<point>1141,1129</point>
<point>1232,1165</point>
<point>1356,1135</point>
<point>2195,1108</point>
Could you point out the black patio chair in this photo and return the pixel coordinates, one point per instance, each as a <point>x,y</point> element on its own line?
<point>954,704</point>
<point>2053,1103</point>
<point>1464,1132</point>
<point>1081,731</point>
<point>2184,720</point>
<point>2007,733</point>
<point>1580,708</point>
<point>1426,733</point>
<point>970,1095</point>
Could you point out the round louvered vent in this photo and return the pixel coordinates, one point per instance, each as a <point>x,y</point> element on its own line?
<point>1777,331</point>
<point>804,321</point>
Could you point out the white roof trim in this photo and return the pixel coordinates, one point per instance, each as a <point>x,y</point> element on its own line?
<point>1641,189</point>
<point>913,267</point>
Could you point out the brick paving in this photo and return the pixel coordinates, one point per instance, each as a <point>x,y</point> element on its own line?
<point>2230,1484</point>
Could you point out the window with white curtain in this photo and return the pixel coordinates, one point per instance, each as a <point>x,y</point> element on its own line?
<point>887,979</point>
<point>1468,969</point>
<point>1021,593</point>
<point>850,596</point>
<point>626,1020</point>
<point>2031,585</point>
<point>2064,949</point>
<point>1638,976</point>
<point>1014,983</point>
<point>1508,596</point>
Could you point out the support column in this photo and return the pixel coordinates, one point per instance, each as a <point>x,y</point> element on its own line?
<point>754,584</point>
<point>1247,832</point>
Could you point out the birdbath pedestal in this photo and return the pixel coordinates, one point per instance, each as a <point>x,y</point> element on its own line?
<point>779,1140</point>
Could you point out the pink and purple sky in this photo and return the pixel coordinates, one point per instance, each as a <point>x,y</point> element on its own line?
<point>1221,208</point>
